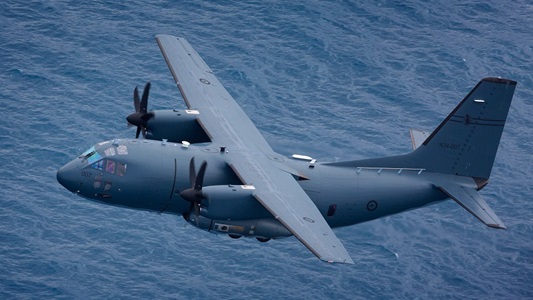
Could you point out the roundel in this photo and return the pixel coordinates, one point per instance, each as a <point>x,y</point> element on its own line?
<point>372,205</point>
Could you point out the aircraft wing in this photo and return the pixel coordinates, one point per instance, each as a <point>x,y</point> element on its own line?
<point>249,154</point>
<point>279,192</point>
<point>220,116</point>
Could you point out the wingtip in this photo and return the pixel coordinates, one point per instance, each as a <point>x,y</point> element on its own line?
<point>497,226</point>
<point>158,36</point>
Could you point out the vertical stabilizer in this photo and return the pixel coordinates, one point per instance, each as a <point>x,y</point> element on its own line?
<point>465,143</point>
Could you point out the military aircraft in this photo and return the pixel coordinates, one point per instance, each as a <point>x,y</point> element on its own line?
<point>242,187</point>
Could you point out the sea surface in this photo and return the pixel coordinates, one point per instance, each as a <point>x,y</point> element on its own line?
<point>331,79</point>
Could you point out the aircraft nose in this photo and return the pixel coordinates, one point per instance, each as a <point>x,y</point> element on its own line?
<point>67,176</point>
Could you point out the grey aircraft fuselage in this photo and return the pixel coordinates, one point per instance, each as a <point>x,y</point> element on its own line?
<point>155,174</point>
<point>158,171</point>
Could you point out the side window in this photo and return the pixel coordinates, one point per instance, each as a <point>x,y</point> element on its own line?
<point>110,166</point>
<point>121,169</point>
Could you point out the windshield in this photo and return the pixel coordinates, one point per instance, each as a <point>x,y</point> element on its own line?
<point>104,162</point>
<point>91,156</point>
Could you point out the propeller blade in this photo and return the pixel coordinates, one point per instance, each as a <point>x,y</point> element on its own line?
<point>199,182</point>
<point>196,179</point>
<point>197,212</point>
<point>136,100</point>
<point>144,99</point>
<point>140,117</point>
<point>192,173</point>
<point>194,193</point>
<point>187,215</point>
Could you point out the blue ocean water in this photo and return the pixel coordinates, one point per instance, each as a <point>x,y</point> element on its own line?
<point>334,80</point>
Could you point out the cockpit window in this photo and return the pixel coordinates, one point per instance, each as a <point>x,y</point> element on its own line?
<point>102,162</point>
<point>110,151</point>
<point>87,152</point>
<point>110,166</point>
<point>90,156</point>
<point>99,165</point>
<point>85,155</point>
<point>94,157</point>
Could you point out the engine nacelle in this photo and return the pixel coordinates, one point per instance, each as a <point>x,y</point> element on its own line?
<point>175,126</point>
<point>260,228</point>
<point>232,202</point>
<point>232,209</point>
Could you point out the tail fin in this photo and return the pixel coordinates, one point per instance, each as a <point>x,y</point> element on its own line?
<point>465,143</point>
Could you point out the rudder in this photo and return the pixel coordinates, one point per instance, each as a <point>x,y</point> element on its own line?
<point>466,142</point>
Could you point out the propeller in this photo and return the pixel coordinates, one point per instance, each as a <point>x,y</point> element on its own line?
<point>141,116</point>
<point>194,193</point>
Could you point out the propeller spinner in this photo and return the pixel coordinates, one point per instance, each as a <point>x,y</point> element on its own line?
<point>141,116</point>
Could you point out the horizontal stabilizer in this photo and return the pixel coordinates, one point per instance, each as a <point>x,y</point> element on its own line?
<point>472,201</point>
<point>418,137</point>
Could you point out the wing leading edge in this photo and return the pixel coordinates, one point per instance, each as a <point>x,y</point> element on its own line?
<point>250,156</point>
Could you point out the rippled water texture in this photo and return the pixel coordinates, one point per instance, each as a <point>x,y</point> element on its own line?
<point>338,80</point>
